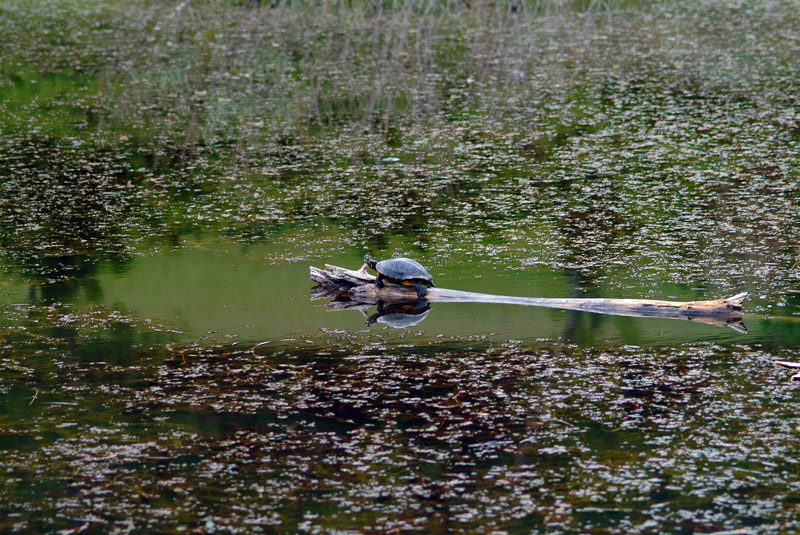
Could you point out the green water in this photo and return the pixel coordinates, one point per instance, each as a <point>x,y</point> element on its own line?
<point>170,171</point>
<point>214,291</point>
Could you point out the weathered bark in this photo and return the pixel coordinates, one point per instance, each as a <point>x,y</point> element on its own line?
<point>359,290</point>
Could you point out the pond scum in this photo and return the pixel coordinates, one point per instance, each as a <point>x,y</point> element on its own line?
<point>646,145</point>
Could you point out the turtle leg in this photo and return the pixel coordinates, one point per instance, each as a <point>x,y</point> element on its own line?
<point>421,290</point>
<point>379,281</point>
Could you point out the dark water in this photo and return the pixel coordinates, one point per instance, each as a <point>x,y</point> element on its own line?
<point>170,171</point>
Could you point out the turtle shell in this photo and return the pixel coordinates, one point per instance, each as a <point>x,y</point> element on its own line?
<point>403,269</point>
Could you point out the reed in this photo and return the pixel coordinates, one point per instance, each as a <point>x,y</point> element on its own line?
<point>246,72</point>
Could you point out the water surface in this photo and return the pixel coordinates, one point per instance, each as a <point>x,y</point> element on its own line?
<point>169,172</point>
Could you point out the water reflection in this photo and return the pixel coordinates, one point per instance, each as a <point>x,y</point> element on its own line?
<point>402,315</point>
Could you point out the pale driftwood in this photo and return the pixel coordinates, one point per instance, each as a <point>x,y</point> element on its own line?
<point>359,287</point>
<point>792,365</point>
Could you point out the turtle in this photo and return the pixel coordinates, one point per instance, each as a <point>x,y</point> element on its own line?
<point>402,271</point>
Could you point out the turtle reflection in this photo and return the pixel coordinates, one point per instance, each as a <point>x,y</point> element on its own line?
<point>401,316</point>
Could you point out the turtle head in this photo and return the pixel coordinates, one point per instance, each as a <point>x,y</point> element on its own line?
<point>369,261</point>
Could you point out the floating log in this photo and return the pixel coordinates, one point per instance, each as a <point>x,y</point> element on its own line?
<point>357,289</point>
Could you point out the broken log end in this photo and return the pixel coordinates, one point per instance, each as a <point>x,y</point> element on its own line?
<point>735,302</point>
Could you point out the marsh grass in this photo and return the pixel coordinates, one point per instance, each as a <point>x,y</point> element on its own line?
<point>254,74</point>
<point>245,72</point>
<point>215,73</point>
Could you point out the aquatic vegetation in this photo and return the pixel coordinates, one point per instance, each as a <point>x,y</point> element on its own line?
<point>503,128</point>
<point>476,436</point>
<point>169,169</point>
